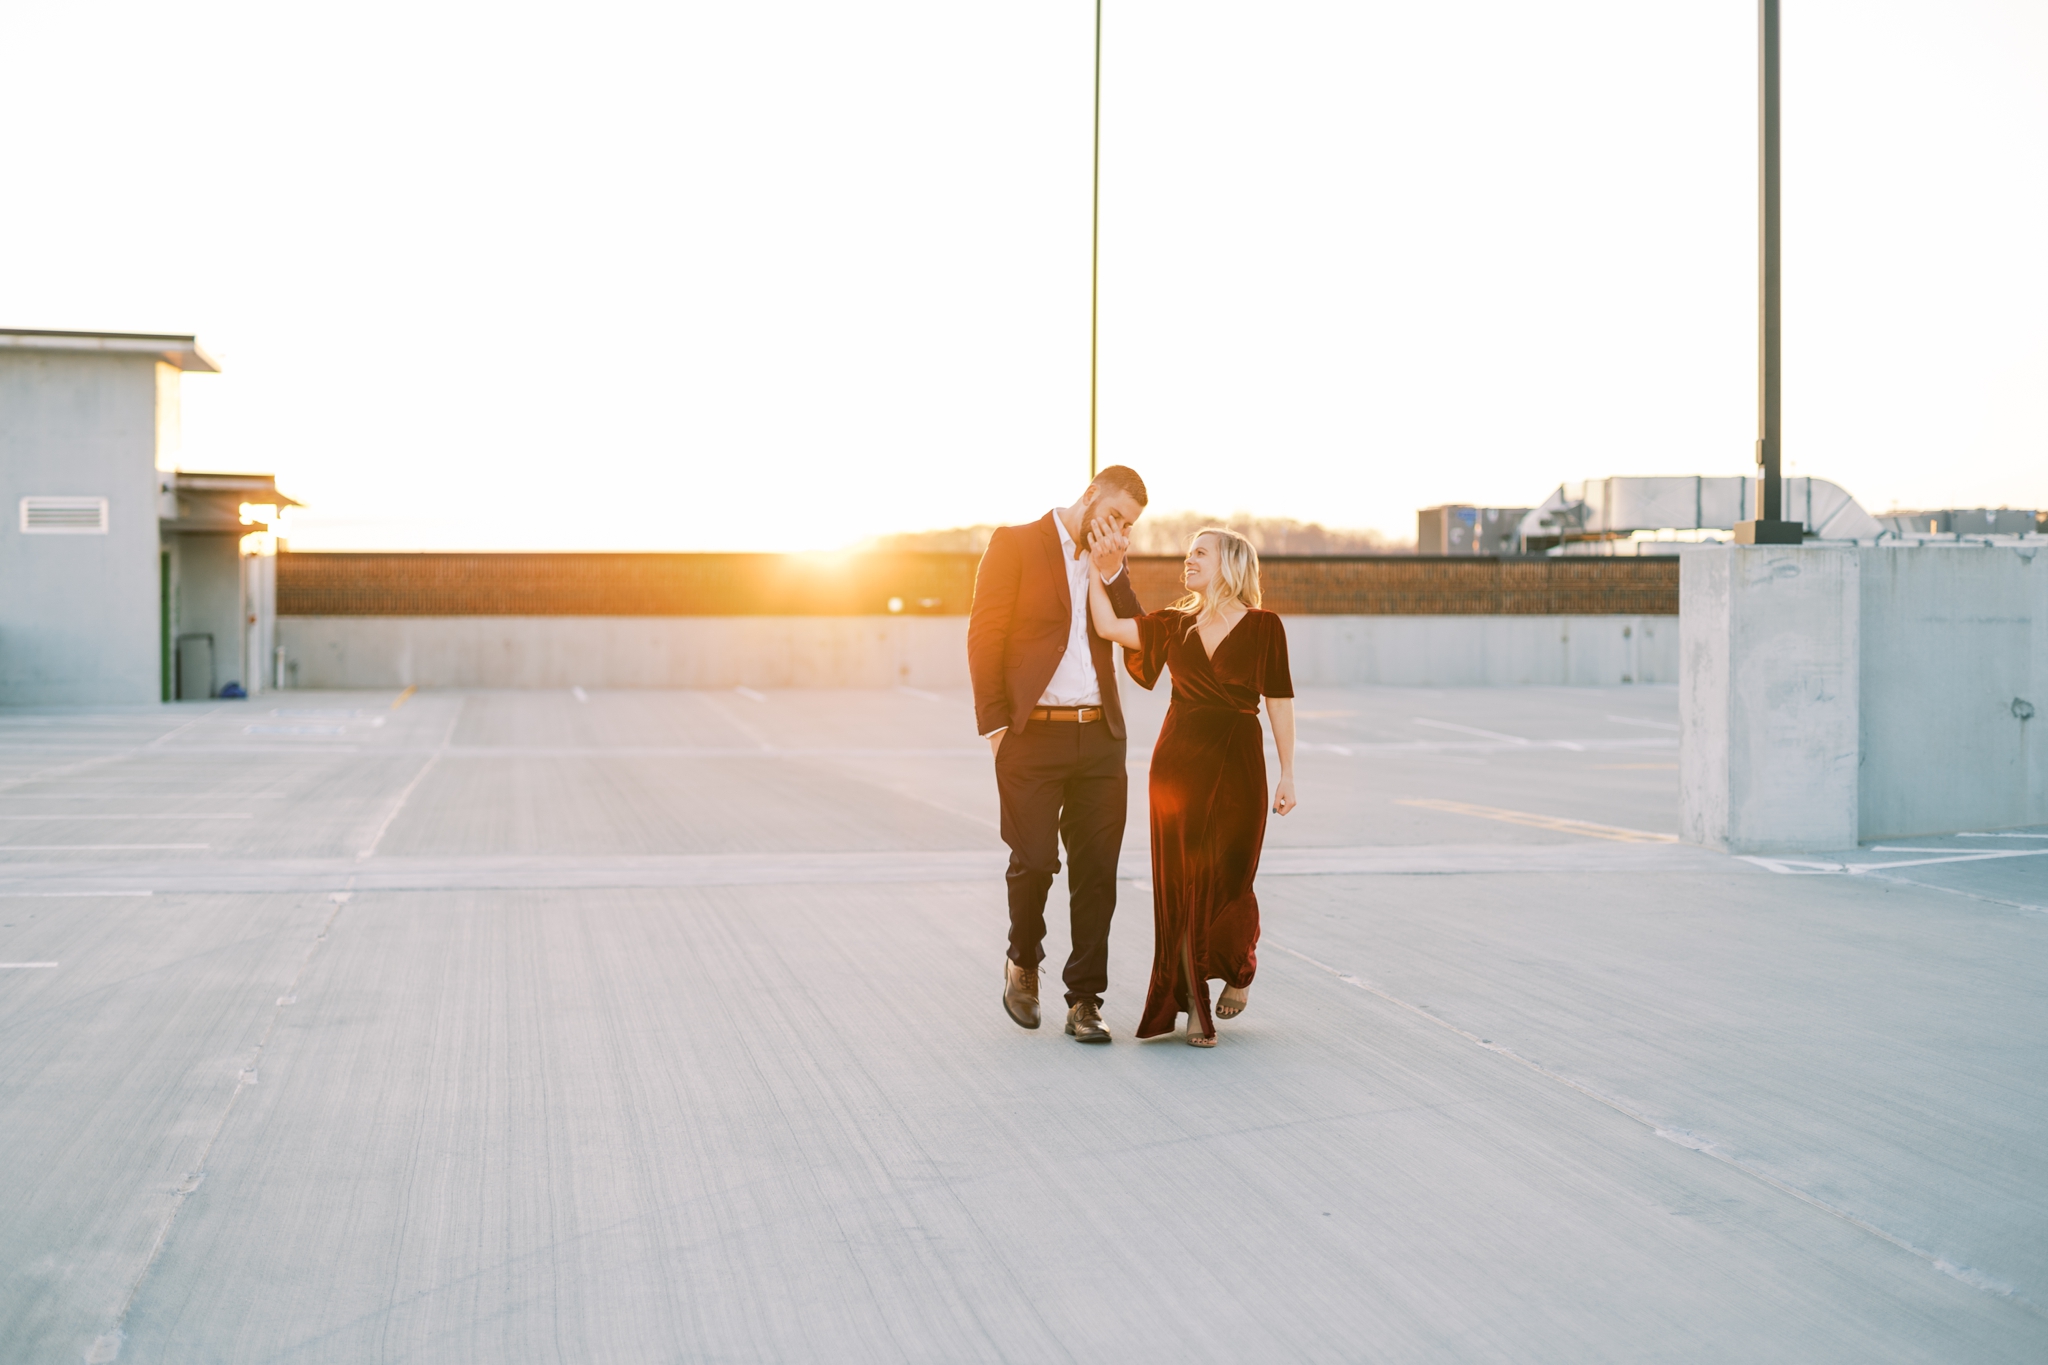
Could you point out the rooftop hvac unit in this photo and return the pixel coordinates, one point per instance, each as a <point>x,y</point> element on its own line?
<point>1619,507</point>
<point>64,516</point>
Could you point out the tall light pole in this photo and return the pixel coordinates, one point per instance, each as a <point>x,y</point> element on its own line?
<point>1095,245</point>
<point>1768,528</point>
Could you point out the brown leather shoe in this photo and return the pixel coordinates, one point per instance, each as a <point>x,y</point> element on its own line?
<point>1020,994</point>
<point>1084,1023</point>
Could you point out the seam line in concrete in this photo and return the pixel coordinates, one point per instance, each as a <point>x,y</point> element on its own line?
<point>107,1346</point>
<point>405,795</point>
<point>1956,891</point>
<point>1973,1278</point>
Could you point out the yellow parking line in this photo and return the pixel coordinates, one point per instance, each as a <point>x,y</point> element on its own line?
<point>1550,822</point>
<point>400,701</point>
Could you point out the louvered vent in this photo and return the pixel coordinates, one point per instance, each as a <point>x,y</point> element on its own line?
<point>64,516</point>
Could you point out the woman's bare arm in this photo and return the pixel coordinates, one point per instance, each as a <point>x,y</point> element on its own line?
<point>1111,627</point>
<point>1280,711</point>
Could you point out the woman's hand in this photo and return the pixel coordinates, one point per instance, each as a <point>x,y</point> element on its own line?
<point>1280,711</point>
<point>1107,546</point>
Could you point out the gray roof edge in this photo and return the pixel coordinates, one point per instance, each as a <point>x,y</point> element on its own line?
<point>182,351</point>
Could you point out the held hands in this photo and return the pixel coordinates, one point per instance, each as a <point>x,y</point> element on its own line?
<point>1107,546</point>
<point>1283,796</point>
<point>995,741</point>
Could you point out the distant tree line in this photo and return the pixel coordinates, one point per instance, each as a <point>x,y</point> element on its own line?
<point>1167,533</point>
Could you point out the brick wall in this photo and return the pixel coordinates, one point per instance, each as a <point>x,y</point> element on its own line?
<point>860,584</point>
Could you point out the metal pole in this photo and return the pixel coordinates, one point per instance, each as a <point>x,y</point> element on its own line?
<point>1095,246</point>
<point>1770,473</point>
<point>1769,527</point>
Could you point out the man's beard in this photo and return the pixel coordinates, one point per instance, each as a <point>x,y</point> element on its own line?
<point>1087,520</point>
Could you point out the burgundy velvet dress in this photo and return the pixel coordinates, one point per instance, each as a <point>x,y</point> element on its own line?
<point>1209,800</point>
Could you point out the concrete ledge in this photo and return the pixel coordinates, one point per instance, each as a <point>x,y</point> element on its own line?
<point>913,651</point>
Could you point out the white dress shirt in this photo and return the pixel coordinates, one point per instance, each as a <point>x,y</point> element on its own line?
<point>1074,682</point>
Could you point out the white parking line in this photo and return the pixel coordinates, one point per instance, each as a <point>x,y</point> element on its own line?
<point>2003,834</point>
<point>1561,824</point>
<point>54,894</point>
<point>1811,867</point>
<point>207,816</point>
<point>1949,856</point>
<point>139,796</point>
<point>89,848</point>
<point>750,694</point>
<point>1646,724</point>
<point>1472,730</point>
<point>20,966</point>
<point>579,694</point>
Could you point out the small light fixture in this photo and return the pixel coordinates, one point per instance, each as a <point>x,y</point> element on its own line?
<point>895,606</point>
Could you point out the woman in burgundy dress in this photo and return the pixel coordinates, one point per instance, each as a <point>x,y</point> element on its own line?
<point>1208,788</point>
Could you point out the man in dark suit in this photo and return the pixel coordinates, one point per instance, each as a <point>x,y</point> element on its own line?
<point>1045,697</point>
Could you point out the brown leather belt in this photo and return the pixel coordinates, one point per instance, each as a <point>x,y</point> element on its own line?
<point>1084,714</point>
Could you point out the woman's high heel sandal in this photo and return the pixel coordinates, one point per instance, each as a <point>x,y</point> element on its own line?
<point>1231,1003</point>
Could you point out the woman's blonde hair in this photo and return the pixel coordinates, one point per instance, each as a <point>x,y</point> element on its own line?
<point>1237,577</point>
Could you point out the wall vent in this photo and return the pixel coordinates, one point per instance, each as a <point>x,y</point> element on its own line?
<point>64,516</point>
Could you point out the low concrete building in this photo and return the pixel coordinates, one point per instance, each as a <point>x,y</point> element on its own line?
<point>128,580</point>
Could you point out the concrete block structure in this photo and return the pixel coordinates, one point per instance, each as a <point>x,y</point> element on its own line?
<point>1768,676</point>
<point>126,580</point>
<point>1954,646</point>
<point>1836,694</point>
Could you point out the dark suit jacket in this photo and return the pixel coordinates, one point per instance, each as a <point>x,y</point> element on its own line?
<point>1017,627</point>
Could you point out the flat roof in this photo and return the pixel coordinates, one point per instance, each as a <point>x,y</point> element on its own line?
<point>644,1015</point>
<point>182,351</point>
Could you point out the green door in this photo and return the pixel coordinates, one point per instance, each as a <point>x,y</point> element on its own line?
<point>163,598</point>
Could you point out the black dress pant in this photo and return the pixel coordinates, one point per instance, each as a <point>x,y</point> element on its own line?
<point>1063,780</point>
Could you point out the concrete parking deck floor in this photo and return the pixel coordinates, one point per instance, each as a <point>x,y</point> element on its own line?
<point>664,1026</point>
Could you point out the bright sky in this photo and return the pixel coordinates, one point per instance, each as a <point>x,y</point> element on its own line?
<point>694,276</point>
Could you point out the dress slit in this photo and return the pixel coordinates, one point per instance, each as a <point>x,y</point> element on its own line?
<point>1197,986</point>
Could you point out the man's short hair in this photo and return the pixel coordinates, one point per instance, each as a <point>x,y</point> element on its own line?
<point>1123,479</point>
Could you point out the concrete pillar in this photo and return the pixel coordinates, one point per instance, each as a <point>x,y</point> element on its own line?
<point>1769,689</point>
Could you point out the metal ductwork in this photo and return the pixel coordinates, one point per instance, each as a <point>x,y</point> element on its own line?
<point>1616,508</point>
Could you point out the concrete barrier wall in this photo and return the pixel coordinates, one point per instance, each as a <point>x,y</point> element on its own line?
<point>886,651</point>
<point>1483,651</point>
